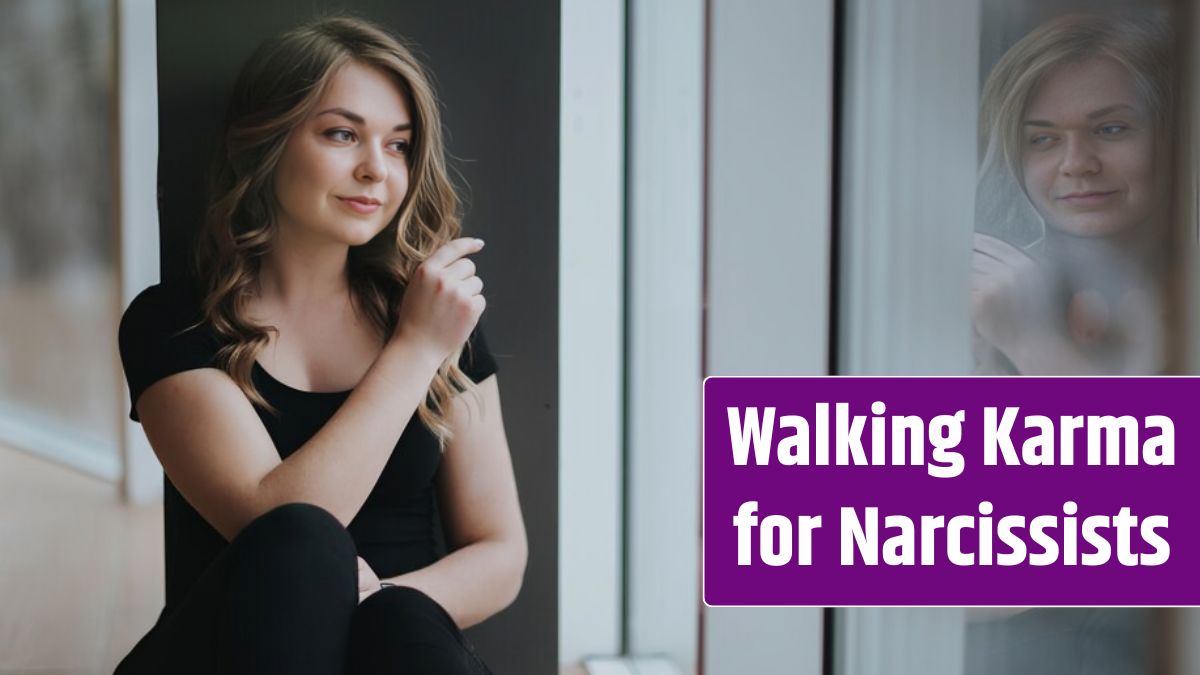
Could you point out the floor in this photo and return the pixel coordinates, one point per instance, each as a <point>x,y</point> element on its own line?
<point>81,575</point>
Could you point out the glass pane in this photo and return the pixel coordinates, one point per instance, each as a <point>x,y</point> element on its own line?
<point>1037,234</point>
<point>1070,269</point>
<point>57,270</point>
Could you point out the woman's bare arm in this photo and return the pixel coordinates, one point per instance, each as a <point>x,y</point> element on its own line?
<point>484,529</point>
<point>219,455</point>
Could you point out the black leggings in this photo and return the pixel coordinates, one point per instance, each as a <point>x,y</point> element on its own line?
<point>283,598</point>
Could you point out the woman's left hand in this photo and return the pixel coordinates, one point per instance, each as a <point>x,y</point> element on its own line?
<point>368,581</point>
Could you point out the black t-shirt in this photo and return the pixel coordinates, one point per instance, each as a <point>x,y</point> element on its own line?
<point>396,530</point>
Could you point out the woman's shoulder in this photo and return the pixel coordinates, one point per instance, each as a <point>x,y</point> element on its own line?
<point>163,332</point>
<point>162,312</point>
<point>165,301</point>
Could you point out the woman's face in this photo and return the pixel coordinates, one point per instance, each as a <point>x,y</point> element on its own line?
<point>1088,156</point>
<point>344,171</point>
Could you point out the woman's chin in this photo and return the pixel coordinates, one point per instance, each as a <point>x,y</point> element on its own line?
<point>357,236</point>
<point>1091,226</point>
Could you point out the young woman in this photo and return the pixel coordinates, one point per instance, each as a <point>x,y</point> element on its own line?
<point>322,397</point>
<point>1073,199</point>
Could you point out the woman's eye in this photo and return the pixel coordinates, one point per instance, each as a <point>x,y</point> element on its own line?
<point>1113,129</point>
<point>401,147</point>
<point>1041,140</point>
<point>340,135</point>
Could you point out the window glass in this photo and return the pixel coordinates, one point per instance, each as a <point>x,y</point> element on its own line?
<point>57,272</point>
<point>1007,207</point>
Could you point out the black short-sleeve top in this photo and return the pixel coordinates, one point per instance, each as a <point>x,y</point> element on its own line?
<point>396,530</point>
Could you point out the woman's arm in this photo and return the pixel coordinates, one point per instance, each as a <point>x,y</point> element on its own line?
<point>219,455</point>
<point>482,516</point>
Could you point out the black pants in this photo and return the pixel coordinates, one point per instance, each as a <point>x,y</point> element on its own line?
<point>283,598</point>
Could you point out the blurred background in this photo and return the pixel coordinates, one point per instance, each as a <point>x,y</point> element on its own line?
<point>670,189</point>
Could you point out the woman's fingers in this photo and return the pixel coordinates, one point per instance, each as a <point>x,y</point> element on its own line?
<point>999,249</point>
<point>982,264</point>
<point>473,286</point>
<point>454,250</point>
<point>986,265</point>
<point>463,268</point>
<point>363,582</point>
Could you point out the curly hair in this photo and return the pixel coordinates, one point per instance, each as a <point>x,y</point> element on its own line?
<point>275,91</point>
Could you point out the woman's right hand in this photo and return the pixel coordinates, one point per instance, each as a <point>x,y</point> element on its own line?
<point>442,302</point>
<point>1009,295</point>
<point>368,581</point>
<point>1014,312</point>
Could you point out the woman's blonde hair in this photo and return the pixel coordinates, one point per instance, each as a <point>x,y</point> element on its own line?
<point>275,92</point>
<point>1141,43</point>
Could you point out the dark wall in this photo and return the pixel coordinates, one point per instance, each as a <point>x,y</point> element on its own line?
<point>496,67</point>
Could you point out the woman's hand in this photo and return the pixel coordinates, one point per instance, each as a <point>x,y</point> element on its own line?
<point>442,302</point>
<point>368,581</point>
<point>1009,295</point>
<point>1012,310</point>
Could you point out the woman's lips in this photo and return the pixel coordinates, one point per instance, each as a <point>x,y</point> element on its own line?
<point>360,206</point>
<point>1090,198</point>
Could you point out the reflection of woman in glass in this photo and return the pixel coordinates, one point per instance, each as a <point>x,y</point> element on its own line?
<point>300,517</point>
<point>1072,215</point>
<point>1072,206</point>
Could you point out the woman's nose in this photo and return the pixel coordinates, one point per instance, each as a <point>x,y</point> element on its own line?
<point>371,168</point>
<point>1080,158</point>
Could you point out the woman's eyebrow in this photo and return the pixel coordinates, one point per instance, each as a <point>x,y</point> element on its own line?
<point>358,119</point>
<point>1108,110</point>
<point>1096,114</point>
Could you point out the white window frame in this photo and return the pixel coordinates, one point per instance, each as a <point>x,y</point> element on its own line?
<point>908,186</point>
<point>591,327</point>
<point>666,182</point>
<point>138,257</point>
<point>769,273</point>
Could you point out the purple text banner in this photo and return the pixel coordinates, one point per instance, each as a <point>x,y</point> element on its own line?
<point>840,491</point>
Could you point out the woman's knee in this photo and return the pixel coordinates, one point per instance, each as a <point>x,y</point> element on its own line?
<point>403,630</point>
<point>300,521</point>
<point>298,536</point>
<point>403,610</point>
